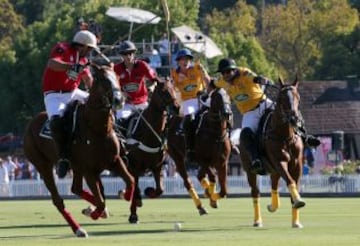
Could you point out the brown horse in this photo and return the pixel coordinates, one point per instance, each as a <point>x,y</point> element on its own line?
<point>282,152</point>
<point>147,143</point>
<point>212,148</point>
<point>94,147</point>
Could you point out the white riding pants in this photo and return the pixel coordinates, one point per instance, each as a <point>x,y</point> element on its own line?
<point>251,118</point>
<point>128,109</point>
<point>190,106</point>
<point>55,103</point>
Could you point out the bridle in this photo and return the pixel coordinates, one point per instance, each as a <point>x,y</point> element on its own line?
<point>220,111</point>
<point>290,114</point>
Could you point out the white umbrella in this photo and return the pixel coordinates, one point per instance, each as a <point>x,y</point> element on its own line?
<point>197,41</point>
<point>132,15</point>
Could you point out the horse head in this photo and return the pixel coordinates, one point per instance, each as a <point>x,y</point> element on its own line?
<point>105,90</point>
<point>164,97</point>
<point>220,106</point>
<point>288,102</point>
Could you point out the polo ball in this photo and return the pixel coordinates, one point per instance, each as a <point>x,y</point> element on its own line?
<point>177,226</point>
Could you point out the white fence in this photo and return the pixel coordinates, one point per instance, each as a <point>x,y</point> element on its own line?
<point>237,185</point>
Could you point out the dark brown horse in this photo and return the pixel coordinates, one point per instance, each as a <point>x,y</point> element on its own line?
<point>282,152</point>
<point>94,147</point>
<point>212,148</point>
<point>147,143</point>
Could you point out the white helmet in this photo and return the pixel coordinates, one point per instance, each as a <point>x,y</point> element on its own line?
<point>85,37</point>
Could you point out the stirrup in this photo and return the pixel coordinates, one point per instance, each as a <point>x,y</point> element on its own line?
<point>180,132</point>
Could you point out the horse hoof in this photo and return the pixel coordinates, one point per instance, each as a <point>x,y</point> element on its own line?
<point>271,209</point>
<point>81,233</point>
<point>150,192</point>
<point>213,204</point>
<point>89,210</point>
<point>298,204</point>
<point>202,210</point>
<point>258,224</point>
<point>105,214</point>
<point>297,225</point>
<point>133,219</point>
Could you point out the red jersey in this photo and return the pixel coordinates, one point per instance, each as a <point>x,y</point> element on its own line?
<point>59,80</point>
<point>134,82</point>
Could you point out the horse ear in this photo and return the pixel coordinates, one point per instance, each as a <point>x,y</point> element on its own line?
<point>281,82</point>
<point>296,81</point>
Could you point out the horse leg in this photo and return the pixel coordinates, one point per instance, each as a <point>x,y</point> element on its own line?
<point>94,183</point>
<point>58,202</point>
<point>208,186</point>
<point>255,194</point>
<point>136,201</point>
<point>275,198</point>
<point>222,177</point>
<point>297,201</point>
<point>179,160</point>
<point>150,191</point>
<point>121,170</point>
<point>204,182</point>
<point>296,172</point>
<point>77,188</point>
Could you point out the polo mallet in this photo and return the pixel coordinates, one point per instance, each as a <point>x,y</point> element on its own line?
<point>167,20</point>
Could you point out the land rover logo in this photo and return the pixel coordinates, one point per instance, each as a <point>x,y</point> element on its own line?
<point>131,87</point>
<point>241,97</point>
<point>189,87</point>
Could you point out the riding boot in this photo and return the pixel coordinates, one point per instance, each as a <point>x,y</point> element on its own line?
<point>308,139</point>
<point>247,138</point>
<point>60,138</point>
<point>180,130</point>
<point>190,145</point>
<point>186,126</point>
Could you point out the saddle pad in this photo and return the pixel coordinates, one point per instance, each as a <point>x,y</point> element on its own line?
<point>45,131</point>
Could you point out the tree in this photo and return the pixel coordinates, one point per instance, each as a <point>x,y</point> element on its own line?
<point>10,27</point>
<point>24,52</point>
<point>237,38</point>
<point>294,34</point>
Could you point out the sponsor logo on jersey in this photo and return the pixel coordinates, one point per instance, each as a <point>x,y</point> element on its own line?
<point>131,87</point>
<point>190,87</point>
<point>241,97</point>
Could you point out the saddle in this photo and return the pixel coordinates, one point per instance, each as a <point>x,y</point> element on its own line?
<point>69,118</point>
<point>260,139</point>
<point>125,127</point>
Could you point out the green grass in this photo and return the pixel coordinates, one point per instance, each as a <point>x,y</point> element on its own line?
<point>327,221</point>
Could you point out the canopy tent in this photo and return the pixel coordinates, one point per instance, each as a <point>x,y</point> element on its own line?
<point>132,15</point>
<point>197,41</point>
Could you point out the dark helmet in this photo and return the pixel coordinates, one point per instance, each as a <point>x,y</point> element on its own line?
<point>184,52</point>
<point>127,46</point>
<point>226,64</point>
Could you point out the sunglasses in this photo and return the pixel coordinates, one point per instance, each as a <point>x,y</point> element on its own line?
<point>127,53</point>
<point>226,72</point>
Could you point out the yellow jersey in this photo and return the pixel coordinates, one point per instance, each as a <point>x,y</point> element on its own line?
<point>243,91</point>
<point>189,84</point>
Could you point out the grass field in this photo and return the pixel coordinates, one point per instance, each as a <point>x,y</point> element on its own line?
<point>327,221</point>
